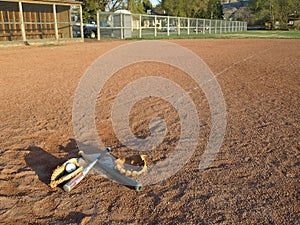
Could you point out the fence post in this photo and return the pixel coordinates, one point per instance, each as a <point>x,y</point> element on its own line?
<point>221,26</point>
<point>155,28</point>
<point>70,23</point>
<point>55,22</point>
<point>121,26</point>
<point>178,21</point>
<point>216,24</point>
<point>188,31</point>
<point>210,26</point>
<point>81,23</point>
<point>204,27</point>
<point>168,26</point>
<point>22,21</point>
<point>196,26</point>
<point>98,25</point>
<point>140,26</point>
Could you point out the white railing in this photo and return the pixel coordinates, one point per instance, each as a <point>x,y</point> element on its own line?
<point>122,26</point>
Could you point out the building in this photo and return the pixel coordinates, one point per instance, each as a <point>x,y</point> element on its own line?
<point>26,21</point>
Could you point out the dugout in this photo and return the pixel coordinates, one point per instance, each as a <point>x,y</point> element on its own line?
<point>33,20</point>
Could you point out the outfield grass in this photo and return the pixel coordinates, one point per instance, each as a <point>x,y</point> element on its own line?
<point>265,34</point>
<point>243,34</point>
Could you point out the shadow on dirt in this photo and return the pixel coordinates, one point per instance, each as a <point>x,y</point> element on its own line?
<point>75,218</point>
<point>43,163</point>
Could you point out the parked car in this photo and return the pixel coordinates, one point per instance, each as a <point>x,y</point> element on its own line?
<point>172,28</point>
<point>202,29</point>
<point>90,28</point>
<point>76,31</point>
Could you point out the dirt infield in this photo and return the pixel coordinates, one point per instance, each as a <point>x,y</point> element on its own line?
<point>253,180</point>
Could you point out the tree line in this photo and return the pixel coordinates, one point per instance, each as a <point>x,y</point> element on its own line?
<point>255,12</point>
<point>90,7</point>
<point>211,9</point>
<point>261,11</point>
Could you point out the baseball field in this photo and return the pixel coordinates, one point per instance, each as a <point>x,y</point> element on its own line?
<point>254,178</point>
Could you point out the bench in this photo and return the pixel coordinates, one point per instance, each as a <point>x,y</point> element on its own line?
<point>52,33</point>
<point>10,35</point>
<point>5,34</point>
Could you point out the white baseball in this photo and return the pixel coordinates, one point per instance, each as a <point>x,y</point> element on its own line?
<point>70,167</point>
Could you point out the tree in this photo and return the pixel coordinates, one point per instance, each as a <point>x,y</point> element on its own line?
<point>90,7</point>
<point>147,5</point>
<point>214,9</point>
<point>211,9</point>
<point>273,10</point>
<point>135,6</point>
<point>183,8</point>
<point>261,10</point>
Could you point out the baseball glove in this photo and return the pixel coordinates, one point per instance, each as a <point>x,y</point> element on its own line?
<point>131,166</point>
<point>60,174</point>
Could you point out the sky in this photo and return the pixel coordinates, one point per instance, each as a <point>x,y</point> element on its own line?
<point>154,2</point>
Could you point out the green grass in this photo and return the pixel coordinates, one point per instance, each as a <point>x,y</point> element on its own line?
<point>239,35</point>
<point>265,34</point>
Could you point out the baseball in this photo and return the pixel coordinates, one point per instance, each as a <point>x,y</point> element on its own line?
<point>70,167</point>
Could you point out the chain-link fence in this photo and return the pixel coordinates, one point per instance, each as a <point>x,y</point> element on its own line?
<point>122,26</point>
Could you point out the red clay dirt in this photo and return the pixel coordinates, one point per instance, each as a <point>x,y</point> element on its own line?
<point>253,180</point>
